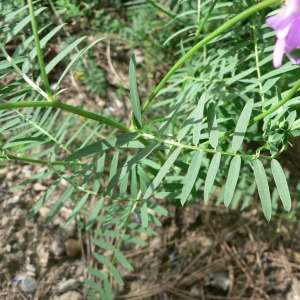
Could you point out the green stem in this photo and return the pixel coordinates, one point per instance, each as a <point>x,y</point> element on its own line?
<point>255,39</point>
<point>204,21</point>
<point>245,14</point>
<point>39,51</point>
<point>66,107</point>
<point>38,161</point>
<point>195,148</point>
<point>21,73</point>
<point>77,111</point>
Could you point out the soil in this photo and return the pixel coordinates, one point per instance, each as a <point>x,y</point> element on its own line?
<point>202,251</point>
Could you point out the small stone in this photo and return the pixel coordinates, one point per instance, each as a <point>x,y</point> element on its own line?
<point>44,212</point>
<point>57,247</point>
<point>39,187</point>
<point>69,295</point>
<point>15,199</point>
<point>68,285</point>
<point>3,173</point>
<point>195,290</point>
<point>29,285</point>
<point>31,268</point>
<point>73,247</point>
<point>43,255</point>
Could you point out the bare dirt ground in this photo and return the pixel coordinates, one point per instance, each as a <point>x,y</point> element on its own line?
<point>202,251</point>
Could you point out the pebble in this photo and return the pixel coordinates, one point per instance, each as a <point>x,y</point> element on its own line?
<point>15,199</point>
<point>68,285</point>
<point>57,248</point>
<point>29,285</point>
<point>73,247</point>
<point>69,295</point>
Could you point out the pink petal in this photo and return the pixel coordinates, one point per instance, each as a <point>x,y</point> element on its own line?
<point>278,53</point>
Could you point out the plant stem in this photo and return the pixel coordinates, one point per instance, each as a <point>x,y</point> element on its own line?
<point>66,107</point>
<point>248,12</point>
<point>39,51</point>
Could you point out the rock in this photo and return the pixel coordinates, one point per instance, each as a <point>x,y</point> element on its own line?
<point>44,212</point>
<point>15,199</point>
<point>218,280</point>
<point>73,247</point>
<point>68,285</point>
<point>43,255</point>
<point>57,247</point>
<point>69,295</point>
<point>195,290</point>
<point>39,187</point>
<point>29,285</point>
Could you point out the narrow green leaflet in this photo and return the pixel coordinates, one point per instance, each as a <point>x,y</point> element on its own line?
<point>75,210</point>
<point>102,259</point>
<point>144,213</point>
<point>281,183</point>
<point>94,286</point>
<point>269,84</point>
<point>23,141</point>
<point>96,273</point>
<point>191,176</point>
<point>263,188</point>
<point>113,168</point>
<point>211,175</point>
<point>104,245</point>
<point>123,261</point>
<point>43,199</point>
<point>134,96</point>
<point>232,179</point>
<point>10,124</point>
<point>212,126</point>
<point>111,142</point>
<point>198,119</point>
<point>248,196</point>
<point>125,215</point>
<point>129,165</point>
<point>59,204</point>
<point>38,176</point>
<point>238,193</point>
<point>75,59</point>
<point>134,183</point>
<point>94,214</point>
<point>59,57</point>
<point>109,215</point>
<point>162,173</point>
<point>108,290</point>
<point>115,273</point>
<point>99,172</point>
<point>186,125</point>
<point>241,126</point>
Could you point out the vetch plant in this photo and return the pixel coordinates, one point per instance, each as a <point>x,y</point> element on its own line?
<point>222,93</point>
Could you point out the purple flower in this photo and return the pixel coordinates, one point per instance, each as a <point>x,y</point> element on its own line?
<point>287,27</point>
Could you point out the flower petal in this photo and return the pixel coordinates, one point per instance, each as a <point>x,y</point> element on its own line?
<point>278,53</point>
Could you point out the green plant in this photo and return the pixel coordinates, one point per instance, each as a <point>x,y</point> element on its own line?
<point>221,93</point>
